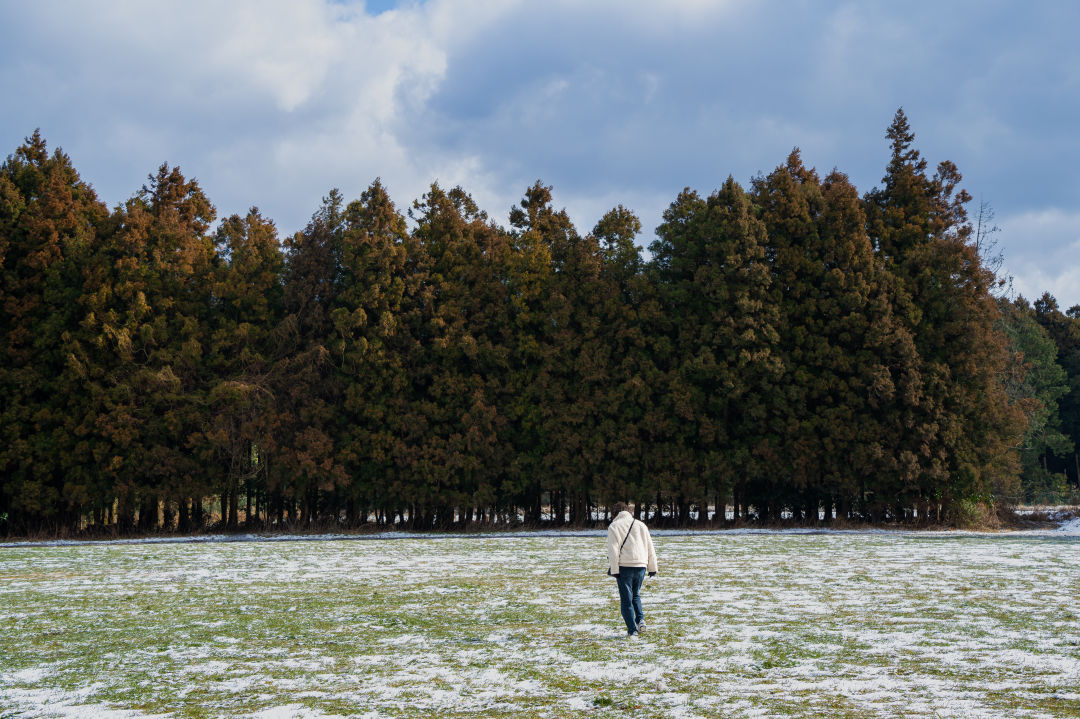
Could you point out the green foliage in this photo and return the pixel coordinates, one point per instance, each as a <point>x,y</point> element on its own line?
<point>1063,329</point>
<point>1037,382</point>
<point>970,513</point>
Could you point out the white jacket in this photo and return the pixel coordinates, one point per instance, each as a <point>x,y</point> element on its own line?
<point>637,551</point>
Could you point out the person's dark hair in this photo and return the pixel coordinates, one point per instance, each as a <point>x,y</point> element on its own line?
<point>620,507</point>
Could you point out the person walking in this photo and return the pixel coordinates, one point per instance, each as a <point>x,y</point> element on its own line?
<point>630,555</point>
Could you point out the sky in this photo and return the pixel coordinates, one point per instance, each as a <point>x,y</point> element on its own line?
<point>272,103</point>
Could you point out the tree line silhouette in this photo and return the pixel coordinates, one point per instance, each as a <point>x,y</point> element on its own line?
<point>787,349</point>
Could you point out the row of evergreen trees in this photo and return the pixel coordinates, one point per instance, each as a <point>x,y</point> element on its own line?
<point>787,349</point>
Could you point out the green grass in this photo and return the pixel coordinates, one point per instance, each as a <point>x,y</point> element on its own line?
<point>740,625</point>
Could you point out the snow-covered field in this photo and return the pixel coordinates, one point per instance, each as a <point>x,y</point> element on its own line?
<point>741,624</point>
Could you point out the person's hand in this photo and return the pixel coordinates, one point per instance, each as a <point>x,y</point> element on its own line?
<point>652,574</point>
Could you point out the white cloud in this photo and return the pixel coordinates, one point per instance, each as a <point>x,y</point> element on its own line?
<point>272,102</point>
<point>1042,253</point>
<point>284,49</point>
<point>264,102</point>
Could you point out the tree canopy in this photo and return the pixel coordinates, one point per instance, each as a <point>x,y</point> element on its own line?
<point>788,349</point>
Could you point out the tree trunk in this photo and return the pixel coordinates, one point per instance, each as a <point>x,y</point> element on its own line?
<point>183,517</point>
<point>125,515</point>
<point>234,504</point>
<point>577,510</point>
<point>258,506</point>
<point>148,514</point>
<point>305,508</point>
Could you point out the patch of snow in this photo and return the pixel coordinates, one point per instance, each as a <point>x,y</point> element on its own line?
<point>299,711</point>
<point>28,676</point>
<point>1071,527</point>
<point>58,704</point>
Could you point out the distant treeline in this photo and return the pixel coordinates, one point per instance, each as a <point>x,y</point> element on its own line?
<point>786,349</point>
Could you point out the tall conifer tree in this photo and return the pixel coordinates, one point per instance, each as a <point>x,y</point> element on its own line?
<point>50,221</point>
<point>845,357</point>
<point>151,320</point>
<point>716,346</point>
<point>455,452</point>
<point>247,309</point>
<point>624,302</point>
<point>310,386</point>
<point>966,427</point>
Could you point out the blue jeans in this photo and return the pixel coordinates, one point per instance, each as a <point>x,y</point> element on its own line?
<point>629,581</point>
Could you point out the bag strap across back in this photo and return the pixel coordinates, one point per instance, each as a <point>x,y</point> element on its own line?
<point>626,537</point>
